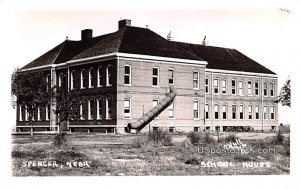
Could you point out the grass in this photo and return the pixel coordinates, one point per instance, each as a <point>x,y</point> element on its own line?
<point>135,155</point>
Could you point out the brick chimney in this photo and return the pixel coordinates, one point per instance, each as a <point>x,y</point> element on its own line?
<point>86,34</point>
<point>124,22</point>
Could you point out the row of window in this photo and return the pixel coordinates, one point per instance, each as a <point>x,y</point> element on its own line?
<point>217,89</point>
<point>37,116</point>
<point>267,113</point>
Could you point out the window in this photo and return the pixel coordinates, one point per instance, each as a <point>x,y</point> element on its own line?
<point>47,113</point>
<point>233,111</point>
<point>60,81</point>
<point>272,90</point>
<point>91,78</point>
<point>155,76</point>
<point>154,104</point>
<point>265,112</point>
<point>99,77</point>
<point>249,88</point>
<point>26,114</point>
<point>196,129</point>
<point>241,88</point>
<point>108,75</point>
<point>90,109</point>
<point>48,81</point>
<point>250,112</point>
<point>216,86</point>
<point>20,114</point>
<point>224,88</point>
<point>38,113</point>
<point>127,108</point>
<point>216,111</point>
<point>127,74</point>
<point>206,111</point>
<point>172,129</point>
<point>196,109</point>
<point>256,86</point>
<point>233,87</point>
<point>257,112</point>
<point>196,80</point>
<point>81,112</point>
<point>265,89</point>
<point>33,114</point>
<point>224,112</point>
<point>206,85</point>
<point>72,80</point>
<point>171,110</point>
<point>272,112</point>
<point>99,109</point>
<point>108,108</point>
<point>82,78</point>
<point>171,76</point>
<point>241,112</point>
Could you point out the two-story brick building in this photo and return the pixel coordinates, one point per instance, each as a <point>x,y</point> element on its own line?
<point>130,72</point>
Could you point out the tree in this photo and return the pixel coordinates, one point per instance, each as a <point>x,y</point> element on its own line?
<point>285,94</point>
<point>30,90</point>
<point>67,106</point>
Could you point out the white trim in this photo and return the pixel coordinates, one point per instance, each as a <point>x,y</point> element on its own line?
<point>226,111</point>
<point>72,79</point>
<point>206,85</point>
<point>198,80</point>
<point>243,111</point>
<point>90,107</point>
<point>159,58</point>
<point>198,109</point>
<point>155,76</point>
<point>173,75</point>
<point>99,116</point>
<point>127,75</point>
<point>233,112</point>
<point>100,68</point>
<point>38,113</point>
<point>125,117</point>
<point>240,73</point>
<point>82,79</point>
<point>248,88</point>
<point>218,85</point>
<point>235,87</point>
<point>223,86</point>
<point>20,113</point>
<point>241,88</point>
<point>216,105</point>
<point>108,78</point>
<point>90,78</point>
<point>250,105</point>
<point>272,83</point>
<point>106,109</point>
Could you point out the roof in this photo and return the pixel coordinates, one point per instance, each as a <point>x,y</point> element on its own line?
<point>135,40</point>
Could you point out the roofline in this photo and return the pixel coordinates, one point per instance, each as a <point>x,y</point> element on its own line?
<point>116,55</point>
<point>241,73</point>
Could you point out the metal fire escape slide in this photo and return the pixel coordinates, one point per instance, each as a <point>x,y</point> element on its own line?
<point>154,112</point>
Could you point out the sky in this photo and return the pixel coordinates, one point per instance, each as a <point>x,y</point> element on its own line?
<point>259,28</point>
<point>264,35</point>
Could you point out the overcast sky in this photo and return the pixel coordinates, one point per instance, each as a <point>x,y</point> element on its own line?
<point>265,34</point>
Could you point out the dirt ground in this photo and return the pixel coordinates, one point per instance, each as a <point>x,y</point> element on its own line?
<point>111,154</point>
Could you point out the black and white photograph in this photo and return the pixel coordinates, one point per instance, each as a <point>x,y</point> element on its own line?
<point>117,93</point>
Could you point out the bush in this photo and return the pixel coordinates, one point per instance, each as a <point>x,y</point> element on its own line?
<point>194,137</point>
<point>230,138</point>
<point>192,161</point>
<point>286,147</point>
<point>160,136</point>
<point>208,139</point>
<point>138,143</point>
<point>278,139</point>
<point>59,139</point>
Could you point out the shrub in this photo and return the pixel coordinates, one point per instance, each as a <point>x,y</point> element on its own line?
<point>278,139</point>
<point>194,137</point>
<point>160,136</point>
<point>59,139</point>
<point>230,138</point>
<point>286,147</point>
<point>192,161</point>
<point>138,143</point>
<point>208,139</point>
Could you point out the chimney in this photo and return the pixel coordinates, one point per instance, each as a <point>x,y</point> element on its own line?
<point>124,22</point>
<point>86,34</point>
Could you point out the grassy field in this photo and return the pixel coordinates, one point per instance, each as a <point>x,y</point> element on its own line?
<point>135,155</point>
